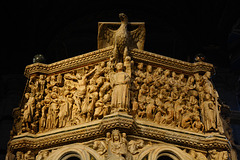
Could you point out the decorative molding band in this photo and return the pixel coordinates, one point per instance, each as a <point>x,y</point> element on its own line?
<point>122,121</point>
<point>105,53</point>
<point>171,63</point>
<point>70,63</point>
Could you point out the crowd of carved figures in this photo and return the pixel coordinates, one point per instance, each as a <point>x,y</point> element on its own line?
<point>147,92</point>
<point>176,100</point>
<point>56,101</point>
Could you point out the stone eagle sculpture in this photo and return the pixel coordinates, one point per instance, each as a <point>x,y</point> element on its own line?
<point>122,39</point>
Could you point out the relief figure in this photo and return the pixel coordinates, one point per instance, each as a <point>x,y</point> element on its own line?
<point>120,95</point>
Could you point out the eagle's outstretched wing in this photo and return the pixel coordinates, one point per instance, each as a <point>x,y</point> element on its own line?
<point>105,35</point>
<point>137,37</point>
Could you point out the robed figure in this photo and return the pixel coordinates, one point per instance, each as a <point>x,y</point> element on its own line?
<point>211,118</point>
<point>120,95</point>
<point>117,147</point>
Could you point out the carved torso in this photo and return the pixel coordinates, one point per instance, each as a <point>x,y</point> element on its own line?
<point>121,38</point>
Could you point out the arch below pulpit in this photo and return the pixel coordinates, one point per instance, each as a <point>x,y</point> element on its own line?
<point>74,152</point>
<point>159,152</point>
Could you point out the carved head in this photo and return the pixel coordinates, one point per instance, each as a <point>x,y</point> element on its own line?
<point>95,144</point>
<point>108,135</point>
<point>29,152</point>
<point>123,17</point>
<point>106,98</point>
<point>47,100</point>
<point>166,72</point>
<point>174,74</point>
<point>55,89</point>
<point>208,96</point>
<point>197,118</point>
<point>52,77</point>
<point>181,76</point>
<point>45,154</point>
<point>159,70</point>
<point>140,66</point>
<point>207,74</point>
<point>124,135</point>
<point>119,66</point>
<point>149,68</point>
<point>102,64</point>
<point>41,76</point>
<point>128,59</point>
<point>115,135</point>
<point>190,80</point>
<point>197,76</point>
<point>48,79</point>
<point>27,95</point>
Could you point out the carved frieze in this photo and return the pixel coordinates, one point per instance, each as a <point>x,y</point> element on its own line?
<point>147,92</point>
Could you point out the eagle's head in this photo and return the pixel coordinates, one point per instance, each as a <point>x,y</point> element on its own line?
<point>123,17</point>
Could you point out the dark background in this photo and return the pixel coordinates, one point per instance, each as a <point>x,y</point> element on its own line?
<point>62,29</point>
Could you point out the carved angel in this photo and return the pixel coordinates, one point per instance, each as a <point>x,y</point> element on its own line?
<point>121,39</point>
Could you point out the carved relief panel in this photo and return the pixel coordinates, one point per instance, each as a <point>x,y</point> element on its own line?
<point>66,99</point>
<point>162,96</point>
<point>175,100</point>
